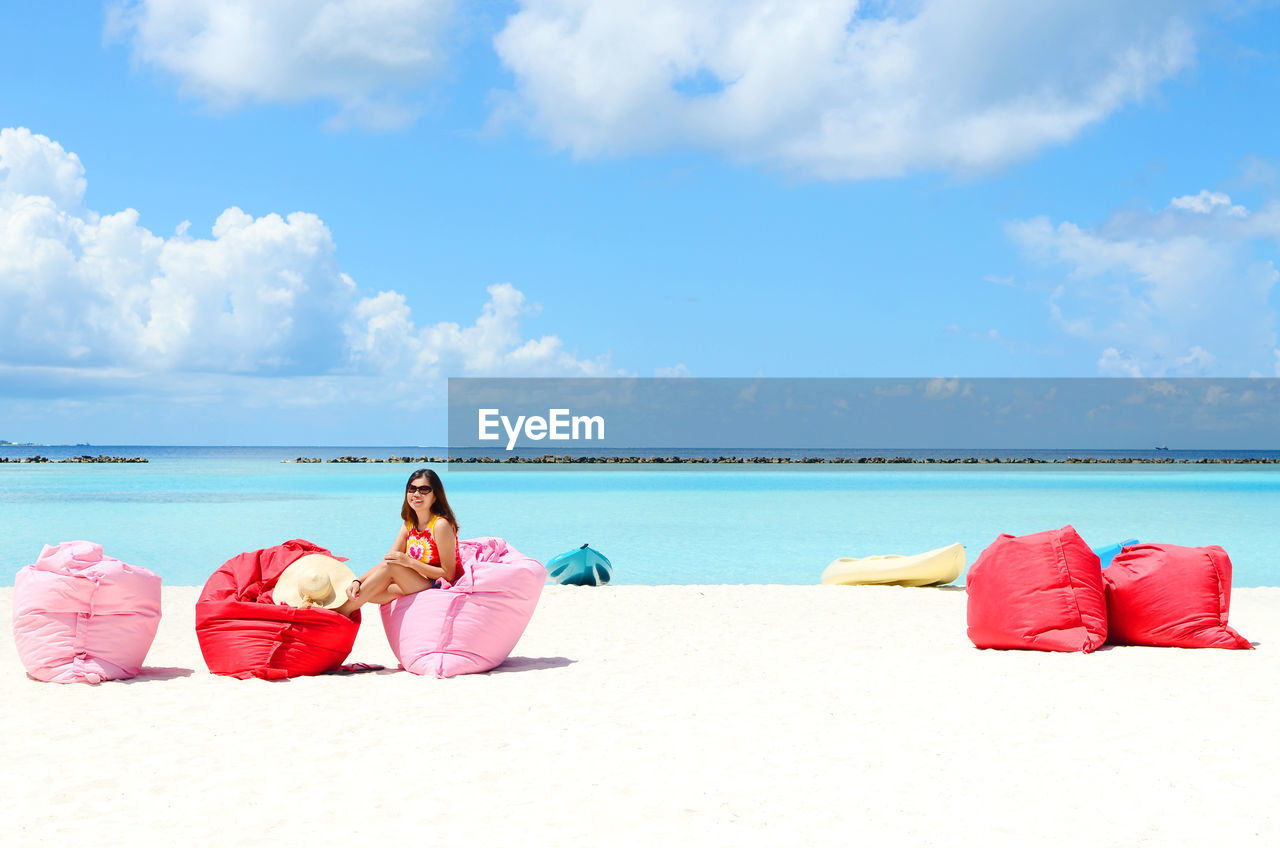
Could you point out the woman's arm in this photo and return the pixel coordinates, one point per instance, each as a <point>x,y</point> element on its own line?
<point>447,544</point>
<point>430,572</point>
<point>402,539</point>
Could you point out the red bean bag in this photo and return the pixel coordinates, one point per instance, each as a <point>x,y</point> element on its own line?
<point>244,633</point>
<point>1171,596</point>
<point>1041,592</point>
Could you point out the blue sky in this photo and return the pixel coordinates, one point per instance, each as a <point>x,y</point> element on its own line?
<point>235,222</point>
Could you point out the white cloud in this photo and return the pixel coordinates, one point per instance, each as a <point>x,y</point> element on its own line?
<point>1184,291</point>
<point>83,294</point>
<point>1197,358</point>
<point>364,55</point>
<point>939,387</point>
<point>1216,394</point>
<point>34,166</point>
<point>1112,363</point>
<point>837,89</point>
<point>82,289</point>
<point>383,335</point>
<point>1208,202</point>
<point>840,89</point>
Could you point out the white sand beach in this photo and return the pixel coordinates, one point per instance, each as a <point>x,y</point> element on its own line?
<point>715,715</point>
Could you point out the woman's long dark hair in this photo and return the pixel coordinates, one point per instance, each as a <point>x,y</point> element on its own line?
<point>440,506</point>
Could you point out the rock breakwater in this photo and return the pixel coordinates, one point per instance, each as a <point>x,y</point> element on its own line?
<point>549,459</point>
<point>94,459</point>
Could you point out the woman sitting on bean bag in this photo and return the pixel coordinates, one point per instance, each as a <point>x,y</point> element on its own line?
<point>485,594</point>
<point>425,549</point>
<point>473,625</point>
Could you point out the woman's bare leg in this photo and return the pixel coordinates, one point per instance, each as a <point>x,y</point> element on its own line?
<point>385,582</point>
<point>394,581</point>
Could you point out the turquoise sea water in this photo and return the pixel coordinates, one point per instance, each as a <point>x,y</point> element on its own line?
<point>187,510</point>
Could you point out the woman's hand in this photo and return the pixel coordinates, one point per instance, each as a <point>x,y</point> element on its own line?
<point>353,590</point>
<point>428,572</point>
<point>400,558</point>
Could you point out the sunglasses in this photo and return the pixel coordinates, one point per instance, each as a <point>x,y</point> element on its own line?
<point>419,490</point>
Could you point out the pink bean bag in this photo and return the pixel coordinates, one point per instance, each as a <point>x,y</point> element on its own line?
<point>81,617</point>
<point>474,624</point>
<point>1041,592</point>
<point>1171,596</point>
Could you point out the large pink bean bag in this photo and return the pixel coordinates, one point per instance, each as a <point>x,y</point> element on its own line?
<point>474,624</point>
<point>81,617</point>
<point>1041,592</point>
<point>1171,596</point>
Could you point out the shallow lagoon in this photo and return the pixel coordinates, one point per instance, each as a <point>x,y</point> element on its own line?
<point>183,514</point>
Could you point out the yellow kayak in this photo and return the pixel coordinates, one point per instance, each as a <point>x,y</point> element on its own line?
<point>931,568</point>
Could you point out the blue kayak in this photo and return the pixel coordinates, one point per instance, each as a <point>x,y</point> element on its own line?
<point>1110,551</point>
<point>582,567</point>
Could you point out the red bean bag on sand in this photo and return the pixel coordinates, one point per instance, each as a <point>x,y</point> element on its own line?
<point>1040,592</point>
<point>1171,596</point>
<point>244,633</point>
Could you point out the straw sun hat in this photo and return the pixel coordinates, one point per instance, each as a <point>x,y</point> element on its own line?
<point>314,580</point>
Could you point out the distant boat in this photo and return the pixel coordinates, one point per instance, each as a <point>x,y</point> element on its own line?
<point>1162,447</point>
